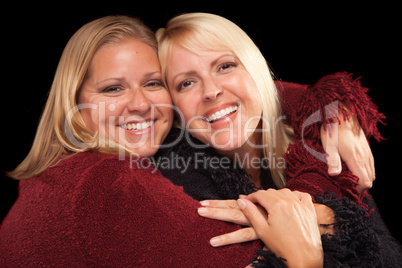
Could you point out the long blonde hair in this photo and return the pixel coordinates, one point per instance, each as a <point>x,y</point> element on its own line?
<point>61,129</point>
<point>203,31</point>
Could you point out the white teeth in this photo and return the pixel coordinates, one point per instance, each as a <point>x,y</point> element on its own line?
<point>221,113</point>
<point>138,126</point>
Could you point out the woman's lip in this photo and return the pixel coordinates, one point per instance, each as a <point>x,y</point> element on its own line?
<point>139,127</point>
<point>221,112</point>
<point>220,107</point>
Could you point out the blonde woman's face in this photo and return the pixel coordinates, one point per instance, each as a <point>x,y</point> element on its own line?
<point>216,94</point>
<point>123,97</point>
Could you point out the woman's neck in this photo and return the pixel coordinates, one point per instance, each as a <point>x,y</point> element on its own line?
<point>248,157</point>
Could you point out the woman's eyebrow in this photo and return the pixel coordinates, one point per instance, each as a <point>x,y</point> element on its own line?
<point>214,62</point>
<point>152,74</point>
<point>109,79</point>
<point>146,76</point>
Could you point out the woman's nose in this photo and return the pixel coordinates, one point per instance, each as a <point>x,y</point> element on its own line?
<point>138,102</point>
<point>211,91</point>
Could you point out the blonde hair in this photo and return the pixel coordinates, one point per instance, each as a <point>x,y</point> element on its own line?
<point>61,129</point>
<point>202,31</point>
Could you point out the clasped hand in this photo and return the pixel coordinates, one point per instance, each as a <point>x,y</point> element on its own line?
<point>285,221</point>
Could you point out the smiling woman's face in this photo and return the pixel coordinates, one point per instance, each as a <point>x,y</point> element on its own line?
<point>124,97</point>
<point>216,94</point>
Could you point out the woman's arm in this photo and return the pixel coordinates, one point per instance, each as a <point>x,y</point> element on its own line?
<point>334,112</point>
<point>146,220</point>
<point>337,87</point>
<point>96,210</point>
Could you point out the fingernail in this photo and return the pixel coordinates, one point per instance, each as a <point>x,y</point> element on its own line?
<point>334,170</point>
<point>204,203</point>
<point>202,211</point>
<point>215,241</point>
<point>241,203</point>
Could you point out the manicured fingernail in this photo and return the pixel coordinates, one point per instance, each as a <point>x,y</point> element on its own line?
<point>202,211</point>
<point>241,203</point>
<point>204,203</point>
<point>215,241</point>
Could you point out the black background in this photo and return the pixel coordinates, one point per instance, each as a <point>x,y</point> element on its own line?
<point>301,43</point>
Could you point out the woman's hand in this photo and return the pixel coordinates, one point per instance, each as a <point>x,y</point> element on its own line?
<point>347,141</point>
<point>228,210</point>
<point>290,230</point>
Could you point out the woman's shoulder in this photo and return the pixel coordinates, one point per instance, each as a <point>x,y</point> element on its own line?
<point>84,160</point>
<point>106,169</point>
<point>92,181</point>
<point>88,162</point>
<point>89,172</point>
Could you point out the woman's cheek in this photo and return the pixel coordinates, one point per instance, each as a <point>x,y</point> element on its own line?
<point>90,117</point>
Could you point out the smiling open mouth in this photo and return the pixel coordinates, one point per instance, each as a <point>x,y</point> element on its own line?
<point>138,126</point>
<point>221,114</point>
